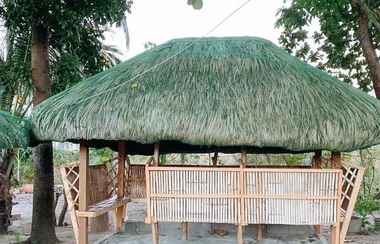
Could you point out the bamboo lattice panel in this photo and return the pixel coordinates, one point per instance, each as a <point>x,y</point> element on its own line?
<point>352,179</point>
<point>296,197</point>
<point>243,196</point>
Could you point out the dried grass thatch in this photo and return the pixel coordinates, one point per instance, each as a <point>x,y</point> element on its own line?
<point>14,131</point>
<point>213,94</point>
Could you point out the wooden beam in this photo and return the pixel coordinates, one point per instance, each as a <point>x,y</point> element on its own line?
<point>83,192</point>
<point>336,160</point>
<point>156,155</point>
<point>119,211</point>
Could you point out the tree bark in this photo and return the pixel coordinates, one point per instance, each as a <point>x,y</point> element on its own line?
<point>367,45</point>
<point>43,221</point>
<point>6,166</point>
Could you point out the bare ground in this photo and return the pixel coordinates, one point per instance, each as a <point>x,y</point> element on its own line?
<point>20,229</point>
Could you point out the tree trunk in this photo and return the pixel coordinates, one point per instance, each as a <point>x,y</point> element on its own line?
<point>5,196</point>
<point>367,45</point>
<point>43,221</point>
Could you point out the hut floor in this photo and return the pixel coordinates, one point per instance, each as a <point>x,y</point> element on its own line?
<point>139,233</point>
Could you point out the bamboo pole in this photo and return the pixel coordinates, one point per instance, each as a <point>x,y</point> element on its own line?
<point>317,164</point>
<point>156,163</point>
<point>243,163</point>
<point>185,230</point>
<point>83,193</point>
<point>156,156</point>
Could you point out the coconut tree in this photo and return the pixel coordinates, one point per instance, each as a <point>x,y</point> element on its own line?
<point>61,42</point>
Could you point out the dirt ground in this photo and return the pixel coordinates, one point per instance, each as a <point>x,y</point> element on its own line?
<point>20,229</point>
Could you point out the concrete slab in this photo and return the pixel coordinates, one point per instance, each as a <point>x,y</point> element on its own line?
<point>139,233</point>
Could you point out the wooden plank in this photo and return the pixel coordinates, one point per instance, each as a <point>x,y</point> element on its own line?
<point>247,169</point>
<point>83,192</point>
<point>103,207</point>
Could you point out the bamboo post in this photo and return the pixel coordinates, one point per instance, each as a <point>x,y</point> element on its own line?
<point>243,163</point>
<point>259,232</point>
<point>156,162</point>
<point>156,155</point>
<point>335,229</point>
<point>336,160</point>
<point>83,193</point>
<point>185,231</point>
<point>119,212</point>
<point>317,164</point>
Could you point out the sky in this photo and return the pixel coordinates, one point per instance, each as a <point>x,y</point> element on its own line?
<point>159,21</point>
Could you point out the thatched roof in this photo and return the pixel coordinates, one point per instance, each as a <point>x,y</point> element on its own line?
<point>213,94</point>
<point>14,131</point>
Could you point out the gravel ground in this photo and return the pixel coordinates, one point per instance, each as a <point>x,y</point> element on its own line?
<point>20,229</point>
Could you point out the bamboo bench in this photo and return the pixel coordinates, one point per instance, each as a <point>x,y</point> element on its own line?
<point>103,207</point>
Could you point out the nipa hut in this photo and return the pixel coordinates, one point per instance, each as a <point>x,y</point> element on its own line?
<point>231,95</point>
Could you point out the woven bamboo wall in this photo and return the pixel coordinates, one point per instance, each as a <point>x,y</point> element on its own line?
<point>304,197</point>
<point>189,195</point>
<point>243,195</point>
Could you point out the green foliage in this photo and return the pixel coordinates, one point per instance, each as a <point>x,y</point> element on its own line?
<point>75,43</point>
<point>334,47</point>
<point>98,156</point>
<point>197,4</point>
<point>367,203</point>
<point>26,168</point>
